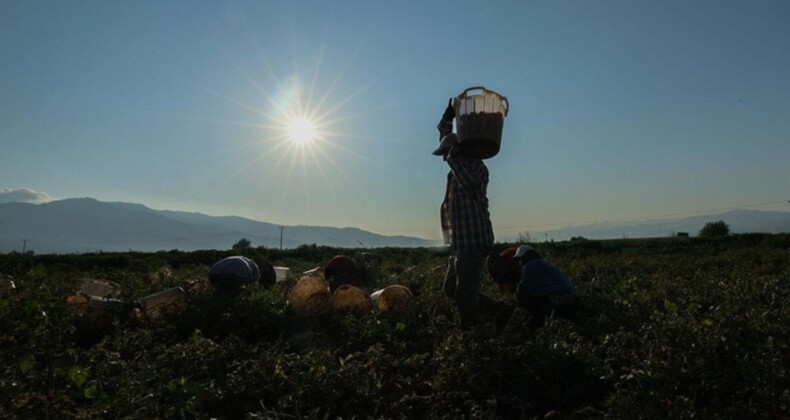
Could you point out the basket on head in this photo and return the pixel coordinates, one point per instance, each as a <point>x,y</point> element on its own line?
<point>310,295</point>
<point>348,298</point>
<point>479,121</point>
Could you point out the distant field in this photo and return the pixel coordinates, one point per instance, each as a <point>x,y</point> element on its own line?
<point>669,328</point>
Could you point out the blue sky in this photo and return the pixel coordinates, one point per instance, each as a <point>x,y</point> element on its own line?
<point>620,110</point>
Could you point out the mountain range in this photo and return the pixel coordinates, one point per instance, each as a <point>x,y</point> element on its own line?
<point>739,221</point>
<point>88,225</point>
<point>79,225</point>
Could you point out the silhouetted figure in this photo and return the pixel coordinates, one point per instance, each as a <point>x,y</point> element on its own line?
<point>342,269</point>
<point>466,227</point>
<point>538,286</point>
<point>232,273</point>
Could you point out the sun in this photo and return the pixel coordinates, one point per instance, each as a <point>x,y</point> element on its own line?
<point>301,131</point>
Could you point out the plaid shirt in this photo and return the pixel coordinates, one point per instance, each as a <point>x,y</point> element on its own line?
<point>466,223</point>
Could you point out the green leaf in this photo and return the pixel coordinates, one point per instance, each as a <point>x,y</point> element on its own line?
<point>38,270</point>
<point>400,326</point>
<point>670,307</point>
<point>27,364</point>
<point>78,375</point>
<point>90,392</point>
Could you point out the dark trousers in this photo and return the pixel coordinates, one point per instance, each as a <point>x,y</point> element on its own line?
<point>462,284</point>
<point>542,308</point>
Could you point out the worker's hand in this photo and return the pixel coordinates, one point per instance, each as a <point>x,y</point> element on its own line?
<point>504,289</point>
<point>445,125</point>
<point>449,112</point>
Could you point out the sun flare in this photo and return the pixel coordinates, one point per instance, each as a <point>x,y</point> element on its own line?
<point>301,131</point>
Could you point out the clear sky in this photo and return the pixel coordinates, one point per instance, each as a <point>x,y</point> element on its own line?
<point>620,110</point>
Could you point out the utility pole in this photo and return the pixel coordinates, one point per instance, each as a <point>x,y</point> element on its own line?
<point>24,244</point>
<point>281,236</point>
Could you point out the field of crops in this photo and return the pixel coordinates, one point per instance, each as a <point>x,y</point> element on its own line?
<point>668,328</point>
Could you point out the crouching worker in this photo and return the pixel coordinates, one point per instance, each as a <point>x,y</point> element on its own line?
<point>539,286</point>
<point>342,269</point>
<point>232,273</point>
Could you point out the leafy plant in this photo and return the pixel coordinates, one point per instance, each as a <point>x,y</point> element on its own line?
<point>666,329</point>
<point>714,229</point>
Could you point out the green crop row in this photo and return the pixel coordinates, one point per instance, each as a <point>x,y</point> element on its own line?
<point>668,328</point>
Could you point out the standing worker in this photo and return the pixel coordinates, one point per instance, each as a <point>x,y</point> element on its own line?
<point>466,227</point>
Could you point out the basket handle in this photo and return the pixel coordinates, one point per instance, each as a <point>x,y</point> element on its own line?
<point>463,95</point>
<point>472,88</point>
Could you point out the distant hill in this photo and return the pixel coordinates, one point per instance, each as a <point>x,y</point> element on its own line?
<point>740,221</point>
<point>89,225</point>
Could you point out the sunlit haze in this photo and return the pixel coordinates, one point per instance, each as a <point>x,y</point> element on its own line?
<point>301,131</point>
<point>325,112</point>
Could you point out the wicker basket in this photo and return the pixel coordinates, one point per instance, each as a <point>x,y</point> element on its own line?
<point>156,305</point>
<point>394,300</point>
<point>99,288</point>
<point>480,118</point>
<point>348,298</point>
<point>310,295</point>
<point>92,307</point>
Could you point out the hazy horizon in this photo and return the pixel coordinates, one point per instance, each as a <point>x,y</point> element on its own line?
<point>619,110</point>
<point>565,231</point>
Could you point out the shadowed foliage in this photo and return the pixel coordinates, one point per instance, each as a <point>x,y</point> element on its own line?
<point>714,229</point>
<point>668,328</point>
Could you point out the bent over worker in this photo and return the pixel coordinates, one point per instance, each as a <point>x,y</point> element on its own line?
<point>539,287</point>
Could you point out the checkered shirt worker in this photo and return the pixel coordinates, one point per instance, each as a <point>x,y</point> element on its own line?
<point>466,226</point>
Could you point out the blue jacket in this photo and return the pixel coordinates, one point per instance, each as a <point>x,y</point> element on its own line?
<point>239,266</point>
<point>541,279</point>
